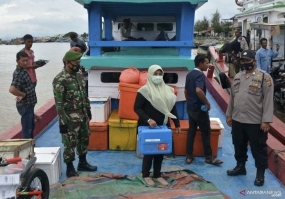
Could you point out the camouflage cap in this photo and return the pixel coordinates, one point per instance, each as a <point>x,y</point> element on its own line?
<point>72,55</point>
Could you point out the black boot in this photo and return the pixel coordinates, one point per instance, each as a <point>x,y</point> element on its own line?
<point>70,171</point>
<point>238,170</point>
<point>83,165</point>
<point>259,180</point>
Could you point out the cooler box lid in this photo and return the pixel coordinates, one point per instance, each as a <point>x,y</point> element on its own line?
<point>157,134</point>
<point>16,144</point>
<point>115,121</point>
<point>184,125</point>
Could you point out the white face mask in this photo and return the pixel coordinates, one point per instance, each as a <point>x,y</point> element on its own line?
<point>157,79</point>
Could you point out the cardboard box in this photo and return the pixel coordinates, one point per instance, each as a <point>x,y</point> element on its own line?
<point>156,140</point>
<point>100,108</point>
<point>11,148</point>
<point>49,160</point>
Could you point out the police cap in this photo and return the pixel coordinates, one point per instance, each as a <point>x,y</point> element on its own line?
<point>247,54</point>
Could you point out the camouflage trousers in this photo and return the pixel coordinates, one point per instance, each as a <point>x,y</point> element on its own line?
<point>77,136</point>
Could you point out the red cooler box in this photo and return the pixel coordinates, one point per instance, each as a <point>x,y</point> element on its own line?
<point>156,140</point>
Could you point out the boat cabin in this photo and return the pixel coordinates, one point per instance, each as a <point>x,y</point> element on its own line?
<point>148,18</point>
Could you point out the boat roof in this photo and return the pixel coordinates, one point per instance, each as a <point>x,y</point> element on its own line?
<point>260,9</point>
<point>134,7</point>
<point>142,1</point>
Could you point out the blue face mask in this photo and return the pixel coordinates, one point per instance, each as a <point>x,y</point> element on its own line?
<point>157,79</point>
<point>239,41</point>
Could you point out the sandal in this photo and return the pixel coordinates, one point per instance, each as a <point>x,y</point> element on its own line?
<point>213,161</point>
<point>189,160</point>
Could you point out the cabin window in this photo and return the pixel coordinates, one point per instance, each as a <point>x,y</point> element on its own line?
<point>110,77</point>
<point>114,77</point>
<point>165,26</point>
<point>145,27</point>
<point>170,78</point>
<point>121,24</point>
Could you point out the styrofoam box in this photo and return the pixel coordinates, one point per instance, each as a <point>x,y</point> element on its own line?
<point>48,159</point>
<point>221,137</point>
<point>100,108</point>
<point>11,148</point>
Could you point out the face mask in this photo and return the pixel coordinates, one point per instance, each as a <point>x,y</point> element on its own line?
<point>157,79</point>
<point>75,68</point>
<point>247,66</point>
<point>239,41</point>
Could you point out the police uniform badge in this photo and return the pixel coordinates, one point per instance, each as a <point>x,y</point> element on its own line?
<point>268,81</point>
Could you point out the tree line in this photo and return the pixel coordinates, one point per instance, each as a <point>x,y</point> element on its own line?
<point>217,25</point>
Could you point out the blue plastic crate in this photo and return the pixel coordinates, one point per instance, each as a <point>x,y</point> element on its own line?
<point>156,140</point>
<point>185,114</point>
<point>180,109</point>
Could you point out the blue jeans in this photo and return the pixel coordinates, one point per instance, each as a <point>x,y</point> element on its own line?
<point>27,120</point>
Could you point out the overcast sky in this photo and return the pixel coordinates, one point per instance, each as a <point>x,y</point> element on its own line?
<point>51,17</point>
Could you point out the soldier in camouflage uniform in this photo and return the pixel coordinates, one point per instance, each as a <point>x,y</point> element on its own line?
<point>73,108</point>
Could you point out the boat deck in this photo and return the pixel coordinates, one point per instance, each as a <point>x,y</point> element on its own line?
<point>115,162</point>
<point>139,57</point>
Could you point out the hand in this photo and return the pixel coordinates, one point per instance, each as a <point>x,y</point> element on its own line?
<point>208,106</point>
<point>63,129</point>
<point>229,121</point>
<point>178,129</point>
<point>89,114</point>
<point>152,123</point>
<point>277,47</point>
<point>19,98</point>
<point>265,127</point>
<point>37,117</point>
<point>37,65</point>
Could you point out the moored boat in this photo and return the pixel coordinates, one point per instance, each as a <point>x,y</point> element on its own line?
<point>176,58</point>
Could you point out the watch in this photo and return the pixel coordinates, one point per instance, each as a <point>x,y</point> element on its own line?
<point>148,120</point>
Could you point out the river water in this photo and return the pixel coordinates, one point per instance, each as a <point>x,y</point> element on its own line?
<point>49,51</point>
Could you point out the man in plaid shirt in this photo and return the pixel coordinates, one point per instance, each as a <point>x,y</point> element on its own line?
<point>24,90</point>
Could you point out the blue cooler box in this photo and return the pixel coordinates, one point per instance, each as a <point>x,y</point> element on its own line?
<point>156,140</point>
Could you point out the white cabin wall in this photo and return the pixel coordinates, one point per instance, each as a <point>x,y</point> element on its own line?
<point>96,88</point>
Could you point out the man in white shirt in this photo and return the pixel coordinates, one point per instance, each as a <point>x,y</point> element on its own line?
<point>125,31</point>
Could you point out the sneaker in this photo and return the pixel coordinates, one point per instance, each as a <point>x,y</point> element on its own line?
<point>161,181</point>
<point>148,181</point>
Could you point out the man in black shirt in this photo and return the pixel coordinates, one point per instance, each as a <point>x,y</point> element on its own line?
<point>197,108</point>
<point>24,90</point>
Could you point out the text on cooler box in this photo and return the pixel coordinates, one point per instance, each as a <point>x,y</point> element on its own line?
<point>152,140</point>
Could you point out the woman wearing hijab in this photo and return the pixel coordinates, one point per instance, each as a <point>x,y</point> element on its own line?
<point>155,103</point>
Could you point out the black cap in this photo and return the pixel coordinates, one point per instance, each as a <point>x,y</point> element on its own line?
<point>247,54</point>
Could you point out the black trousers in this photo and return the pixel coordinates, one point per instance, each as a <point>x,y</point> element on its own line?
<point>242,133</point>
<point>147,162</point>
<point>201,119</point>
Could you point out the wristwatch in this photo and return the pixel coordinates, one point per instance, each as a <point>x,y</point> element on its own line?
<point>148,120</point>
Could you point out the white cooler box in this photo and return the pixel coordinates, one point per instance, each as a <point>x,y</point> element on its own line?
<point>48,159</point>
<point>221,137</point>
<point>100,108</point>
